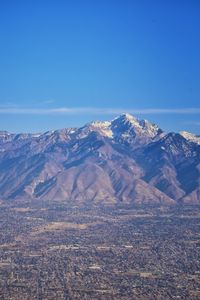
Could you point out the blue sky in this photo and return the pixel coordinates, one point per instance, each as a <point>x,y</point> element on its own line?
<point>65,63</point>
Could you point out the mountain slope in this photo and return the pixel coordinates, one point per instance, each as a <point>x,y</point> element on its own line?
<point>171,165</point>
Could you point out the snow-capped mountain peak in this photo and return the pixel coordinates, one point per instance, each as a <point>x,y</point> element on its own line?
<point>127,118</point>
<point>129,125</point>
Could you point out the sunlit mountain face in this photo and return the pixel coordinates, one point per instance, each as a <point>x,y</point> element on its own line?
<point>123,160</point>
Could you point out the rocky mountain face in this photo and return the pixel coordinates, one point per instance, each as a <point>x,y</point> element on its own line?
<point>126,160</point>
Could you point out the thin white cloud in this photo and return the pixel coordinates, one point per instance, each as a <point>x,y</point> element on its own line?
<point>195,123</point>
<point>94,110</point>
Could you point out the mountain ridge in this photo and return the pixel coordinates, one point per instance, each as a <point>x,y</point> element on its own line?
<point>124,160</point>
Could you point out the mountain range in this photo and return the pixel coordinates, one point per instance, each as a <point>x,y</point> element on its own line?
<point>124,160</point>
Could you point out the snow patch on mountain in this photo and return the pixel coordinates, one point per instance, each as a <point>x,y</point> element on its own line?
<point>104,128</point>
<point>190,137</point>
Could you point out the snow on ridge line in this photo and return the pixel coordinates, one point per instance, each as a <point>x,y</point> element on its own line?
<point>190,137</point>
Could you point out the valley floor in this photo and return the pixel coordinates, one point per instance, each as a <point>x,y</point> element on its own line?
<point>57,251</point>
